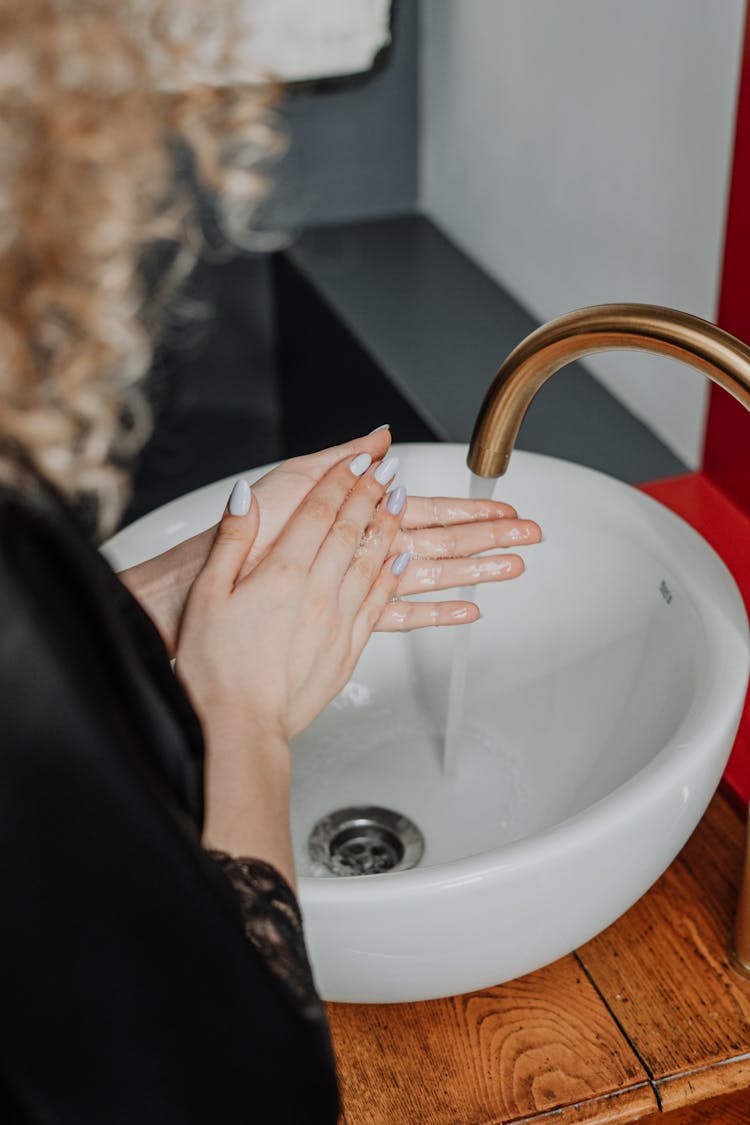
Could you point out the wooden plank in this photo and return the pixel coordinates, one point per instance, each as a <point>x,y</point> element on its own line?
<point>732,1109</point>
<point>664,969</point>
<point>619,1108</point>
<point>538,1049</point>
<point>698,1085</point>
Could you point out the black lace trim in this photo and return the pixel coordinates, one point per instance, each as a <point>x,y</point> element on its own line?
<point>273,925</point>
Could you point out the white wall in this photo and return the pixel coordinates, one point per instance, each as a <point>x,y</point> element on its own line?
<point>579,150</point>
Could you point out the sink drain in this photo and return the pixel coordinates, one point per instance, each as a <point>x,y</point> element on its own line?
<point>365,841</point>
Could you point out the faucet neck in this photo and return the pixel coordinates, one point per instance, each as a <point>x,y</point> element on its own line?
<point>647,328</point>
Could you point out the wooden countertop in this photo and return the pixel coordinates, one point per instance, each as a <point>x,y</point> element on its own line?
<point>646,1019</point>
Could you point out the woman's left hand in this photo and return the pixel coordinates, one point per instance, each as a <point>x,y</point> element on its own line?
<point>442,533</point>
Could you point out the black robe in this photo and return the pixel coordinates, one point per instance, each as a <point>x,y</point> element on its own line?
<point>129,991</point>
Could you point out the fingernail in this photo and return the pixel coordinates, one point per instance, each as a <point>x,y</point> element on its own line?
<point>361,464</point>
<point>385,426</point>
<point>396,500</point>
<point>386,470</point>
<point>400,563</point>
<point>240,499</point>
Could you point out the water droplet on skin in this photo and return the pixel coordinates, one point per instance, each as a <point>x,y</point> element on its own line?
<point>428,576</point>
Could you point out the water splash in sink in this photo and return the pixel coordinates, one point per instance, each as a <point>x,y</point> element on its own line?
<point>480,488</point>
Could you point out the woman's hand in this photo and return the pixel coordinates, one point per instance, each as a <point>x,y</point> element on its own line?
<point>442,533</point>
<point>443,536</point>
<point>261,655</point>
<point>273,647</point>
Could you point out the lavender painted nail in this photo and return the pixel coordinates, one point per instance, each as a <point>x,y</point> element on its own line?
<point>240,498</point>
<point>396,500</point>
<point>360,464</point>
<point>400,563</point>
<point>386,470</point>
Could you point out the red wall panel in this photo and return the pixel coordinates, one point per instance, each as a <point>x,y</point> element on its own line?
<point>726,455</point>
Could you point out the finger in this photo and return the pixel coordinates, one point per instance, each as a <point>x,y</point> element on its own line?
<point>447,574</point>
<point>358,527</point>
<point>377,544</point>
<point>464,539</point>
<point>306,531</point>
<point>380,596</point>
<point>401,617</point>
<point>314,465</point>
<point>442,511</point>
<point>235,536</point>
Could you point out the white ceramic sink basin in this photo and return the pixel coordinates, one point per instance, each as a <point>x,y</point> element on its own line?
<point>604,691</point>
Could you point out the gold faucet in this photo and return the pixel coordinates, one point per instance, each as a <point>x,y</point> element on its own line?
<point>646,328</point>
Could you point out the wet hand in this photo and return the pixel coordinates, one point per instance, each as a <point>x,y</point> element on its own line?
<point>442,533</point>
<point>447,538</point>
<point>271,648</point>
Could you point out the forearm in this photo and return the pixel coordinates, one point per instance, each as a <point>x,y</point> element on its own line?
<point>247,787</point>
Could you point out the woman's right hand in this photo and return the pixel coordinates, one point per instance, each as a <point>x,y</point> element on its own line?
<point>270,650</point>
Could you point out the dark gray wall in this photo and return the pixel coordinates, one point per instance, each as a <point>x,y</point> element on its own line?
<point>354,148</point>
<point>353,155</point>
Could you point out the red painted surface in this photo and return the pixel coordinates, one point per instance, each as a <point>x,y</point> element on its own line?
<point>727,528</point>
<point>726,454</point>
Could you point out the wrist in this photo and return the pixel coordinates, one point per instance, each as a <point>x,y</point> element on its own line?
<point>229,726</point>
<point>247,776</point>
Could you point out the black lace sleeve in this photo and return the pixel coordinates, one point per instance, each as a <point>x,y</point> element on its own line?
<point>273,925</point>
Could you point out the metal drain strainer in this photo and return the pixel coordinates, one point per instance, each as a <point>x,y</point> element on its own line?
<point>365,840</point>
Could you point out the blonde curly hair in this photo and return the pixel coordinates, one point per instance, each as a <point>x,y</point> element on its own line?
<point>100,105</point>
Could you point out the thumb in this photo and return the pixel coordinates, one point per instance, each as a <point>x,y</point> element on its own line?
<point>235,536</point>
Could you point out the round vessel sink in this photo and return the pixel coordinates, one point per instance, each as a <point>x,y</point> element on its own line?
<point>604,691</point>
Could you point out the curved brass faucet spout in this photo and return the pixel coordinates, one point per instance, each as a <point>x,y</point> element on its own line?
<point>647,328</point>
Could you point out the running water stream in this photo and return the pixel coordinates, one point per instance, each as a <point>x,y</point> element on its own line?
<point>480,488</point>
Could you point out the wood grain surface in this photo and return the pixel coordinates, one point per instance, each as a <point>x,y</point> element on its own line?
<point>664,969</point>
<point>644,1023</point>
<point>732,1109</point>
<point>512,1053</point>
